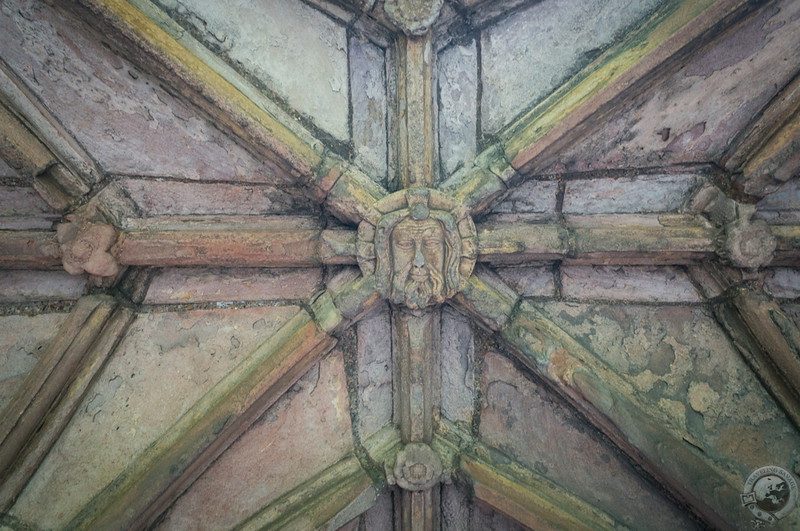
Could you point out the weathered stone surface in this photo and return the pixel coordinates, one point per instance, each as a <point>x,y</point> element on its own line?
<point>20,286</point>
<point>697,110</point>
<point>368,89</point>
<point>164,364</point>
<point>523,420</point>
<point>783,283</point>
<point>666,353</point>
<point>267,461</point>
<point>179,198</point>
<point>458,368</point>
<point>781,206</point>
<point>456,509</point>
<point>7,171</point>
<point>379,516</point>
<point>187,285</point>
<point>374,361</point>
<point>269,41</point>
<point>121,115</point>
<point>644,193</point>
<point>530,281</point>
<point>485,519</point>
<point>22,208</point>
<point>458,106</point>
<point>662,284</point>
<point>568,37</point>
<point>533,200</point>
<point>22,339</point>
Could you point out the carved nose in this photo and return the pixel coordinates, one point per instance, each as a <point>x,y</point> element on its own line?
<point>419,260</point>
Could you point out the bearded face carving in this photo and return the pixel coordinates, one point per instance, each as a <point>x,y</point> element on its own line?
<point>418,254</point>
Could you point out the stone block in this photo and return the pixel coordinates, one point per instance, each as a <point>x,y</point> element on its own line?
<point>458,368</point>
<point>783,282</point>
<point>374,364</point>
<point>458,106</point>
<point>23,286</point>
<point>530,281</point>
<point>641,284</point>
<point>622,195</point>
<point>191,285</point>
<point>368,89</point>
<point>530,197</point>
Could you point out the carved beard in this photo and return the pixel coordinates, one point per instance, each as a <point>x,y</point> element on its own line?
<point>419,293</point>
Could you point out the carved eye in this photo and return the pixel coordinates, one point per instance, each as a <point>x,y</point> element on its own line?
<point>404,244</point>
<point>432,243</point>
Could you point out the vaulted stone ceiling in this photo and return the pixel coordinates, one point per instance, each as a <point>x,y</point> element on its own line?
<point>197,330</point>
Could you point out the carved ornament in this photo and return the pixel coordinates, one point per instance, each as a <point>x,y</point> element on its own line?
<point>85,243</point>
<point>413,16</point>
<point>422,250</point>
<point>417,467</point>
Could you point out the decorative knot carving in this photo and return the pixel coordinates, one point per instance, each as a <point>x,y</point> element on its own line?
<point>422,250</point>
<point>85,244</point>
<point>417,467</point>
<point>413,16</point>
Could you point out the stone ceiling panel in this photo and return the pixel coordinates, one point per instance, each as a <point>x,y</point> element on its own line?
<point>460,513</point>
<point>21,208</point>
<point>694,114</point>
<point>164,364</point>
<point>291,49</point>
<point>122,116</point>
<point>523,420</point>
<point>304,432</point>
<point>679,360</point>
<point>783,283</point>
<point>19,286</point>
<point>549,41</point>
<point>781,206</point>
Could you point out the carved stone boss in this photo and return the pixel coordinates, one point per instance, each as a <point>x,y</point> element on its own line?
<point>422,250</point>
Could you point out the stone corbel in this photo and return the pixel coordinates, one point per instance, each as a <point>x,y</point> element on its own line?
<point>743,242</point>
<point>85,239</point>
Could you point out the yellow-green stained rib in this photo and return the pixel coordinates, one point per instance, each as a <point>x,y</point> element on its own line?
<point>669,30</point>
<point>212,86</point>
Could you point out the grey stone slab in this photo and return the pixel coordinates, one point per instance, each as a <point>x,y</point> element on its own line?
<point>458,368</point>
<point>120,115</point>
<point>369,101</point>
<point>194,284</point>
<point>629,283</point>
<point>295,50</point>
<point>787,197</point>
<point>374,372</point>
<point>530,281</point>
<point>530,197</point>
<point>8,171</point>
<point>458,106</point>
<point>22,340</point>
<point>176,198</point>
<point>783,282</point>
<point>646,193</point>
<point>24,286</point>
<point>22,201</point>
<point>456,513</point>
<point>549,41</point>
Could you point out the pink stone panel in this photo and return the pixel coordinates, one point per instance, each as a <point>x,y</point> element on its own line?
<point>166,362</point>
<point>188,285</point>
<point>121,116</point>
<point>693,115</point>
<point>21,286</point>
<point>527,422</point>
<point>303,433</point>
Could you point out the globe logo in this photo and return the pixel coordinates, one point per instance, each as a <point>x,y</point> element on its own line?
<point>770,493</point>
